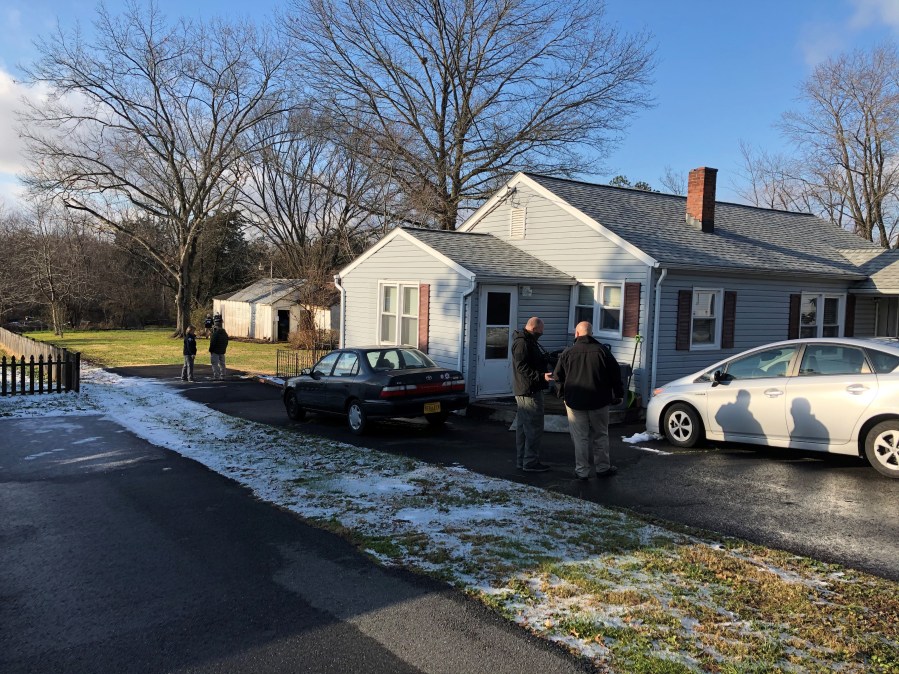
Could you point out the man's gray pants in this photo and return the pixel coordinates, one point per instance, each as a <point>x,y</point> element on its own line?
<point>590,433</point>
<point>218,365</point>
<point>187,372</point>
<point>528,429</point>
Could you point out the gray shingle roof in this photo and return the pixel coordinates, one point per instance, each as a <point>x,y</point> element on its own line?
<point>880,265</point>
<point>745,238</point>
<point>489,258</point>
<point>266,290</point>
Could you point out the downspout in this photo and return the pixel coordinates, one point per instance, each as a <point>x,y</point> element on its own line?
<point>463,299</point>
<point>655,329</point>
<point>342,310</point>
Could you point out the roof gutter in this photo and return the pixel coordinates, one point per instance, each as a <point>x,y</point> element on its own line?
<point>342,310</point>
<point>463,301</point>
<point>655,328</point>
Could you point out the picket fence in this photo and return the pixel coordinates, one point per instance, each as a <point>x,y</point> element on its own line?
<point>42,367</point>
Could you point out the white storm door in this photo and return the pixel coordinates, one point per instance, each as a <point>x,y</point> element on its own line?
<point>497,309</point>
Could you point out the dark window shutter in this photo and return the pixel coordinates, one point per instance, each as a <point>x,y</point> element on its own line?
<point>684,319</point>
<point>793,327</point>
<point>729,319</point>
<point>849,323</point>
<point>631,322</point>
<point>424,301</point>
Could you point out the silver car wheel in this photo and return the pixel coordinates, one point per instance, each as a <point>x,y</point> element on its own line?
<point>680,425</point>
<point>356,418</point>
<point>882,448</point>
<point>683,426</point>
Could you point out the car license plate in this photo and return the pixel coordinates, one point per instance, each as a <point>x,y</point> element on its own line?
<point>431,408</point>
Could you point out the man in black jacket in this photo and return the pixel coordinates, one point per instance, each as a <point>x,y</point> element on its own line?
<point>190,352</point>
<point>591,380</point>
<point>530,377</point>
<point>218,344</point>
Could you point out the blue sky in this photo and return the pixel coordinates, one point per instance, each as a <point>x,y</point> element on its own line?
<point>726,71</point>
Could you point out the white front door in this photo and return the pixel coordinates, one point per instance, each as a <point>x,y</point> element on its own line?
<point>498,309</point>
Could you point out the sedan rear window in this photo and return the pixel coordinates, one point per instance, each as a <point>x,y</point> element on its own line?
<point>398,359</point>
<point>881,361</point>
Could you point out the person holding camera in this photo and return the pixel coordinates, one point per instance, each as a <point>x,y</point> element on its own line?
<point>590,380</point>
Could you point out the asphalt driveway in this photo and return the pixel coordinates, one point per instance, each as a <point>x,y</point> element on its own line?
<point>119,556</point>
<point>831,508</point>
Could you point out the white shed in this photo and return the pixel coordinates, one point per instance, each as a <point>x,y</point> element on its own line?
<point>270,310</point>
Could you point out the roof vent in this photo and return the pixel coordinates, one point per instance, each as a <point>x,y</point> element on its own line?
<point>516,223</point>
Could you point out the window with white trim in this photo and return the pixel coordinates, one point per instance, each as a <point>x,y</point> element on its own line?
<point>601,304</point>
<point>398,314</point>
<point>821,315</point>
<point>609,307</point>
<point>705,322</point>
<point>584,303</point>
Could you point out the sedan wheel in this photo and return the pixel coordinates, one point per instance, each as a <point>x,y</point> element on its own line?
<point>294,410</point>
<point>682,425</point>
<point>882,448</point>
<point>356,418</point>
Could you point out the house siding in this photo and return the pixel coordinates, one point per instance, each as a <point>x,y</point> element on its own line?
<point>560,239</point>
<point>402,261</point>
<point>762,316</point>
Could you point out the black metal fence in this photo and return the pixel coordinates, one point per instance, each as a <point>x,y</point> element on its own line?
<point>29,377</point>
<point>290,362</point>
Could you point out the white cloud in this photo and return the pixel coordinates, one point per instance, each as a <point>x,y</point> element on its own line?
<point>12,147</point>
<point>11,94</point>
<point>875,13</point>
<point>820,41</point>
<point>823,38</point>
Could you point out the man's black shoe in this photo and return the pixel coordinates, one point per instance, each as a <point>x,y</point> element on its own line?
<point>608,473</point>
<point>582,479</point>
<point>536,468</point>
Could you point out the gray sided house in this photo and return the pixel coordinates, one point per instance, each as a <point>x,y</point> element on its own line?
<point>270,310</point>
<point>697,279</point>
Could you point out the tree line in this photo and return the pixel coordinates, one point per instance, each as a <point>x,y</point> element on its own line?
<point>190,153</point>
<point>319,131</point>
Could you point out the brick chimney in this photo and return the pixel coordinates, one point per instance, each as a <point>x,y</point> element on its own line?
<point>701,199</point>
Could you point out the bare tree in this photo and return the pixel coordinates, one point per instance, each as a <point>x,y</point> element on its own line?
<point>315,200</point>
<point>674,181</point>
<point>848,139</point>
<point>13,293</point>
<point>146,125</point>
<point>454,94</point>
<point>774,181</point>
<point>60,269</point>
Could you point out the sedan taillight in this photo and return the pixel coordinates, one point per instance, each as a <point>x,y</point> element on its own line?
<point>405,390</point>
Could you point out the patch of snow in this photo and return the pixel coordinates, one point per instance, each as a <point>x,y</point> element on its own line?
<point>640,437</point>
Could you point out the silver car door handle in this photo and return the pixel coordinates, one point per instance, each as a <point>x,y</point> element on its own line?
<point>857,389</point>
<point>773,392</point>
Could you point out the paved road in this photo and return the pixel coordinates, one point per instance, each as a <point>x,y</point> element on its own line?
<point>118,556</point>
<point>830,508</point>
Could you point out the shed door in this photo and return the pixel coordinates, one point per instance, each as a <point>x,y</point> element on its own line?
<point>498,309</point>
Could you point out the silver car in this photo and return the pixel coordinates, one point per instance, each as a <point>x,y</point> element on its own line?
<point>831,395</point>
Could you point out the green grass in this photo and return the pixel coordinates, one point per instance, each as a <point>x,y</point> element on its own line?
<point>127,348</point>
